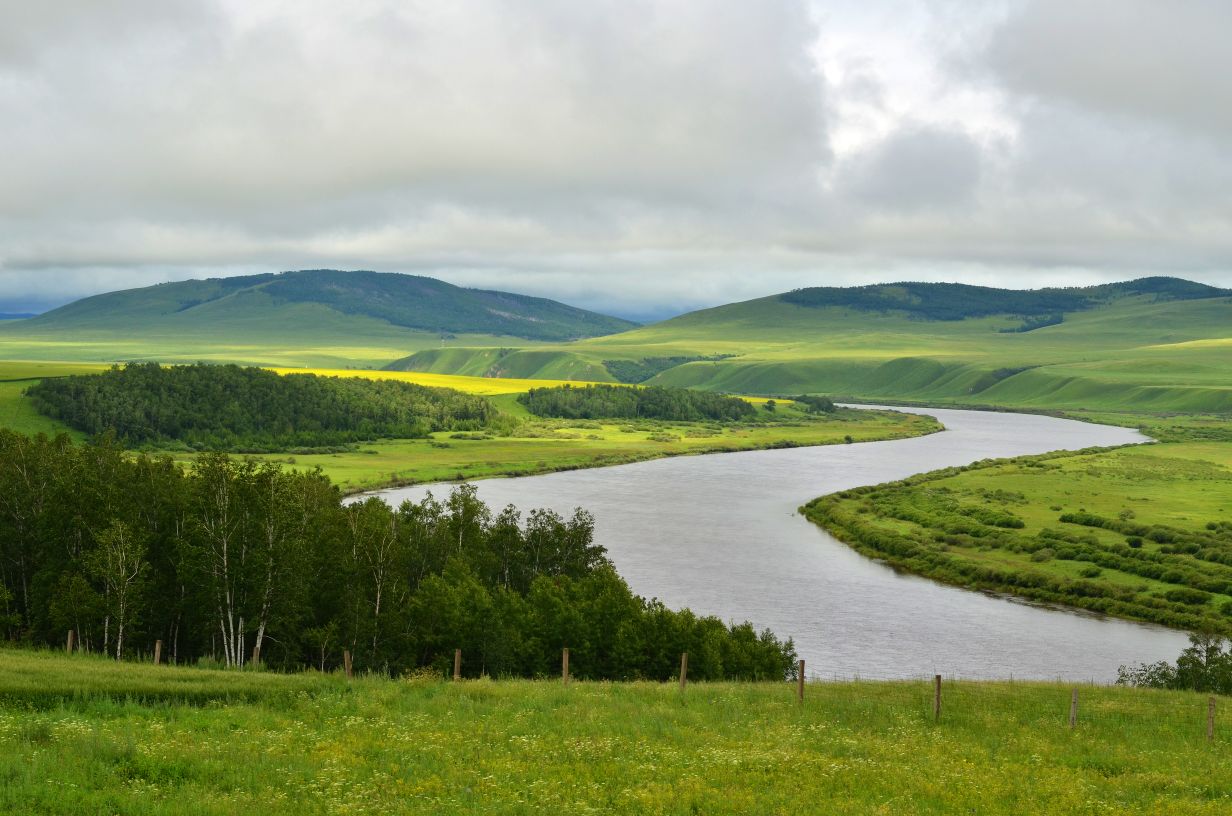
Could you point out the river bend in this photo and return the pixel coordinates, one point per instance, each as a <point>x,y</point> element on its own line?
<point>720,533</point>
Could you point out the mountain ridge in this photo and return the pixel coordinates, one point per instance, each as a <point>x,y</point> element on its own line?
<point>405,301</point>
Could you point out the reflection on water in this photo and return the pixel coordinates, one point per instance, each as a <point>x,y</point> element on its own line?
<point>720,533</point>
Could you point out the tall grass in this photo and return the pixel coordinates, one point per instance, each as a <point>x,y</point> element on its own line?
<point>79,735</point>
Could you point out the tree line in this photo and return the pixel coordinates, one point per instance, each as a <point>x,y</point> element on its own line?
<point>234,561</point>
<point>620,402</point>
<point>232,408</point>
<point>1204,665</point>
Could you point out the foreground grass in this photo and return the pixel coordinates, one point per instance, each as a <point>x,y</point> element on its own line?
<point>80,735</point>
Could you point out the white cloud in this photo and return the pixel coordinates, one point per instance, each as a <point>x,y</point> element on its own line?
<point>615,154</point>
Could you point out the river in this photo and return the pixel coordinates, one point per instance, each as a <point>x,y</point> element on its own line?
<point>720,533</point>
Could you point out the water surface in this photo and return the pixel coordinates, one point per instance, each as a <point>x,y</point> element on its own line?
<point>720,533</point>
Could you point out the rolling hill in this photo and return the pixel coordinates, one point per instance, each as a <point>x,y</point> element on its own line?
<point>1155,344</point>
<point>310,317</point>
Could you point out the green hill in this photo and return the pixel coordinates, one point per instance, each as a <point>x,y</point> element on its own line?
<point>521,364</point>
<point>1155,344</point>
<point>312,317</point>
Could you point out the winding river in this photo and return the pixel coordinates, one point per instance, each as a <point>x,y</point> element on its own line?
<point>720,533</point>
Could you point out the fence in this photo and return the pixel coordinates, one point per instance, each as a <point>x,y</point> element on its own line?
<point>1019,703</point>
<point>997,704</point>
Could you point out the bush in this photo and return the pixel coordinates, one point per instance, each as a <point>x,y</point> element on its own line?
<point>1184,595</point>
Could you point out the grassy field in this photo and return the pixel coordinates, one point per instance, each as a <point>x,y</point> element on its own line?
<point>85,735</point>
<point>550,445</point>
<point>537,446</point>
<point>1139,532</point>
<point>313,336</point>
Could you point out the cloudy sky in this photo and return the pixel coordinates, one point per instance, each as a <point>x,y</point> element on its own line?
<point>632,156</point>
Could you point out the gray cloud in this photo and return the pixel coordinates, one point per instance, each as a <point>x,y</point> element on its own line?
<point>1157,63</point>
<point>914,169</point>
<point>628,155</point>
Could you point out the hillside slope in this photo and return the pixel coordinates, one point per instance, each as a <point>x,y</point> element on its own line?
<point>1156,344</point>
<point>296,318</point>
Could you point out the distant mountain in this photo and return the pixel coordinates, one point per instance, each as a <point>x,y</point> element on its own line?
<point>329,296</point>
<point>5,316</point>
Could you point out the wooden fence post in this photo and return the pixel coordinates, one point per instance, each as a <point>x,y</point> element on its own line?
<point>158,652</point>
<point>1073,709</point>
<point>937,698</point>
<point>684,669</point>
<point>800,682</point>
<point>68,646</point>
<point>457,664</point>
<point>564,666</point>
<point>1210,720</point>
<point>346,662</point>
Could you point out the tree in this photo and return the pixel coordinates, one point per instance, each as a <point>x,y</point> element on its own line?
<point>119,561</point>
<point>1205,665</point>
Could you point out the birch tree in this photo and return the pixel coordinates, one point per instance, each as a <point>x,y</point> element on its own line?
<point>119,562</point>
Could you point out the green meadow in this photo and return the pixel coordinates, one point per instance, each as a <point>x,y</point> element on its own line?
<point>543,446</point>
<point>534,445</point>
<point>1142,532</point>
<point>87,735</point>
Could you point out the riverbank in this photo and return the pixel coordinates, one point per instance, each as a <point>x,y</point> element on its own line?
<point>534,446</point>
<point>549,446</point>
<point>721,535</point>
<point>1140,533</point>
<point>85,734</point>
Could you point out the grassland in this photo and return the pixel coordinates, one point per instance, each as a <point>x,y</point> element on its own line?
<point>85,735</point>
<point>1134,354</point>
<point>310,336</point>
<point>535,446</point>
<point>544,446</point>
<point>1138,532</point>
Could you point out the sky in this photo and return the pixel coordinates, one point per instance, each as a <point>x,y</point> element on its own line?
<point>639,158</point>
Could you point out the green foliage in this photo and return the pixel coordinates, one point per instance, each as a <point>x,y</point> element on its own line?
<point>959,301</point>
<point>211,407</point>
<point>815,404</point>
<point>618,402</point>
<point>1205,665</point>
<point>236,560</point>
<point>1033,323</point>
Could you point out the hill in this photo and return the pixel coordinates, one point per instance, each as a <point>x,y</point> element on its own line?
<point>1156,344</point>
<point>311,317</point>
